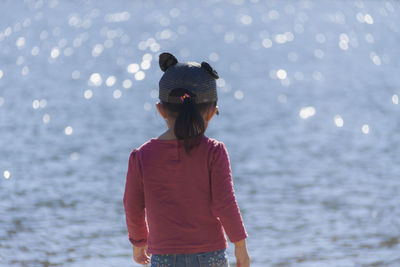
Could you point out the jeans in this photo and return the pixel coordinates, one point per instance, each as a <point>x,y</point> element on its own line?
<point>216,258</point>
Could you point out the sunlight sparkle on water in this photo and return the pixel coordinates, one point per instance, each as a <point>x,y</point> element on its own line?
<point>238,95</point>
<point>75,74</point>
<point>174,12</point>
<point>74,21</point>
<point>273,14</point>
<point>395,99</point>
<point>245,19</point>
<point>7,31</point>
<point>360,17</point>
<point>111,80</point>
<point>154,47</point>
<point>127,84</point>
<point>318,53</point>
<point>46,118</point>
<point>213,57</point>
<point>147,57</point>
<point>43,103</point>
<point>1,74</point>
<point>68,130</point>
<point>35,51</point>
<point>281,74</point>
<point>368,19</point>
<point>25,71</point>
<point>344,41</point>
<point>20,43</point>
<point>375,58</point>
<point>365,129</point>
<point>43,35</point>
<point>117,17</point>
<point>284,37</point>
<point>97,50</point>
<point>117,94</point>
<point>147,106</point>
<point>344,37</point>
<point>1,101</point>
<point>55,52</point>
<point>133,68</point>
<point>338,120</point>
<point>267,43</point>
<point>139,75</point>
<point>145,65</point>
<point>27,22</point>
<point>306,112</point>
<point>36,104</point>
<point>7,174</point>
<point>164,35</point>
<point>88,94</point>
<point>95,79</point>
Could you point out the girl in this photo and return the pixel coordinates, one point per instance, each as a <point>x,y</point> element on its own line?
<point>179,198</point>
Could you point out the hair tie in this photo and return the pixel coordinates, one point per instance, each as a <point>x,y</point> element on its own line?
<point>185,96</point>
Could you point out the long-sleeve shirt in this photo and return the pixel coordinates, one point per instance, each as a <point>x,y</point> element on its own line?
<point>180,204</point>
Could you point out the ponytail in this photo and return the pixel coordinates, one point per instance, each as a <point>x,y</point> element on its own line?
<point>189,123</point>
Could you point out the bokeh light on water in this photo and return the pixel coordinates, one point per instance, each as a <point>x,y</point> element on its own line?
<point>308,100</point>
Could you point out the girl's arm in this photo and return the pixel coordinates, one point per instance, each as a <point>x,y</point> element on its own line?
<point>134,203</point>
<point>223,195</point>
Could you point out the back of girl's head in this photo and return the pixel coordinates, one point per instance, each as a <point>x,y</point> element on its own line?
<point>187,92</point>
<point>189,122</point>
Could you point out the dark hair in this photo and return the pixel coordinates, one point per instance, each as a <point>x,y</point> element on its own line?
<point>189,123</point>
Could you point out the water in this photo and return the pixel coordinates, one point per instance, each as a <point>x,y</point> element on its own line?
<point>308,110</point>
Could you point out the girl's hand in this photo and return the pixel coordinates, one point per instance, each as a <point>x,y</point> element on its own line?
<point>140,255</point>
<point>241,254</point>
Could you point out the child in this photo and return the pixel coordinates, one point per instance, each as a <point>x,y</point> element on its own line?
<point>179,198</point>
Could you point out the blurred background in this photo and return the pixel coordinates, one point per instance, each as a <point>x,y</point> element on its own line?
<point>308,100</point>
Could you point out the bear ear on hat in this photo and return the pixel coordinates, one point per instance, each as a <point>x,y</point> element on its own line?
<point>210,70</point>
<point>166,60</point>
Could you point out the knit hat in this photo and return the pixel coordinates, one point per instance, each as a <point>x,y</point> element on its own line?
<point>195,77</point>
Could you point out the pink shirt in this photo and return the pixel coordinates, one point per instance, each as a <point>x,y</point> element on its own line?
<point>180,204</point>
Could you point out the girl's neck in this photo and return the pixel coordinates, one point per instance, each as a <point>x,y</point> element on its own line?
<point>167,135</point>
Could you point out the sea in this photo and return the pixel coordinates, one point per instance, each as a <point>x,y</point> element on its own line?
<point>308,97</point>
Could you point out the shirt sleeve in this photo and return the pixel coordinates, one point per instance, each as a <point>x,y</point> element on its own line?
<point>134,203</point>
<point>223,195</point>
